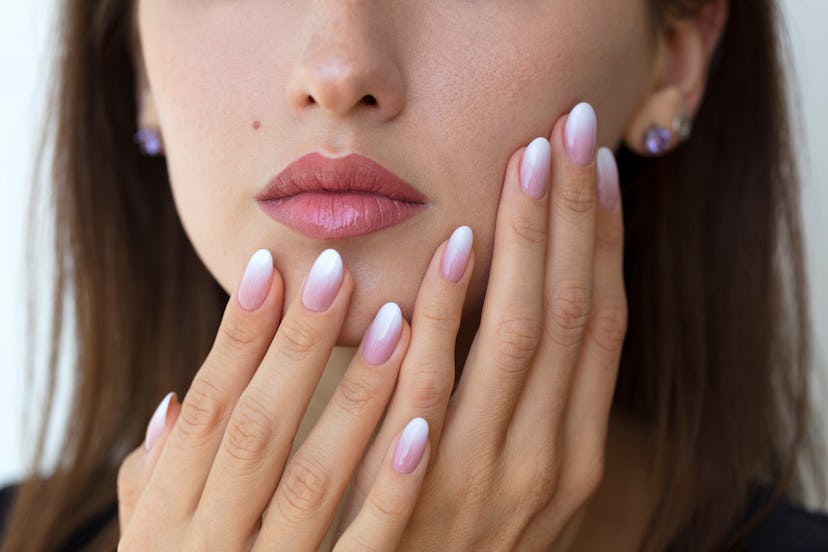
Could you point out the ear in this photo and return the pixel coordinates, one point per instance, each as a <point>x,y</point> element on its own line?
<point>685,49</point>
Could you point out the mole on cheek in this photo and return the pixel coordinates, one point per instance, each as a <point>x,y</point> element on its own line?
<point>256,125</point>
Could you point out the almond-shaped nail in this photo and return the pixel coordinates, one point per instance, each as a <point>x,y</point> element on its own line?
<point>323,281</point>
<point>580,134</point>
<point>255,282</point>
<point>456,255</point>
<point>411,446</point>
<point>383,334</point>
<point>534,167</point>
<point>156,424</point>
<point>608,191</point>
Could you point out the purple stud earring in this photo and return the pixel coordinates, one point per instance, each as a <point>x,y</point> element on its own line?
<point>148,141</point>
<point>657,139</point>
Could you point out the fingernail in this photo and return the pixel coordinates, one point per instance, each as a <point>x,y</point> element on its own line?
<point>156,424</point>
<point>256,280</point>
<point>607,179</point>
<point>579,134</point>
<point>323,281</point>
<point>383,334</point>
<point>534,168</point>
<point>456,255</point>
<point>411,446</point>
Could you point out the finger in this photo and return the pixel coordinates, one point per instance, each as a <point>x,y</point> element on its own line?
<point>427,374</point>
<point>510,327</point>
<point>261,429</point>
<point>385,513</point>
<point>315,478</point>
<point>568,288</point>
<point>136,469</point>
<point>590,401</point>
<point>247,327</point>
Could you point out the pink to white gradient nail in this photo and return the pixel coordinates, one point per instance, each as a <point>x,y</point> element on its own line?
<point>534,167</point>
<point>256,280</point>
<point>156,424</point>
<point>456,255</point>
<point>608,191</point>
<point>580,134</point>
<point>383,334</point>
<point>323,281</point>
<point>411,446</point>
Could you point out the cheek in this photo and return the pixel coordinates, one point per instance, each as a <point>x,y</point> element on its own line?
<point>482,104</point>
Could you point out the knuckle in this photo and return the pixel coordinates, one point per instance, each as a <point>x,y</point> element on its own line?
<point>586,478</point>
<point>249,431</point>
<point>353,541</point>
<point>235,335</point>
<point>304,489</point>
<point>202,409</point>
<point>516,340</point>
<point>610,326</point>
<point>298,338</point>
<point>354,396</point>
<point>568,309</point>
<point>577,197</point>
<point>438,314</point>
<point>528,230</point>
<point>386,507</point>
<point>542,482</point>
<point>429,389</point>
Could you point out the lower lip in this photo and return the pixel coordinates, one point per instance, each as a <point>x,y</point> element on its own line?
<point>331,216</point>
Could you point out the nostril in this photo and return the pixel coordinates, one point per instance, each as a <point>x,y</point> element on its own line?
<point>369,100</point>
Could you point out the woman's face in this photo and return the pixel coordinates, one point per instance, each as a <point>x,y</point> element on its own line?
<point>242,88</point>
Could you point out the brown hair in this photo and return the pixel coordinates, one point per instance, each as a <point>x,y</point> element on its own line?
<point>716,359</point>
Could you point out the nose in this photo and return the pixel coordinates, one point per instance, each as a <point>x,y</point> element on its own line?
<point>347,65</point>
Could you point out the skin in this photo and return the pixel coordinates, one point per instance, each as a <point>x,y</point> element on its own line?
<point>529,424</point>
<point>433,68</point>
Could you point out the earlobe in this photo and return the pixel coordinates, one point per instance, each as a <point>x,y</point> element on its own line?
<point>686,46</point>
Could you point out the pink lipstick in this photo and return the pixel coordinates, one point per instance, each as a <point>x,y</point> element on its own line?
<point>336,198</point>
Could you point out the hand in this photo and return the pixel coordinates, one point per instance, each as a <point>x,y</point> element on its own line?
<point>518,450</point>
<point>214,474</point>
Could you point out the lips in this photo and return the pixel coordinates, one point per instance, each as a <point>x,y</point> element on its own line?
<point>337,198</point>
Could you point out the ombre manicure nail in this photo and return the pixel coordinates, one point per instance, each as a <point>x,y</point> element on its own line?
<point>534,168</point>
<point>256,280</point>
<point>607,179</point>
<point>456,255</point>
<point>323,281</point>
<point>383,334</point>
<point>411,446</point>
<point>156,424</point>
<point>580,134</point>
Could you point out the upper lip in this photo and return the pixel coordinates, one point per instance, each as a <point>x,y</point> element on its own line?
<point>353,173</point>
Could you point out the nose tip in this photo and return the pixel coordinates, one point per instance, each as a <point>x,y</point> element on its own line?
<point>344,82</point>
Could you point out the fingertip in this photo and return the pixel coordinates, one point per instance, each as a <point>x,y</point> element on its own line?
<point>608,179</point>
<point>410,447</point>
<point>255,282</point>
<point>454,263</point>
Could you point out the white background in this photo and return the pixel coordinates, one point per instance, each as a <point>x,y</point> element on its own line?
<point>26,42</point>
